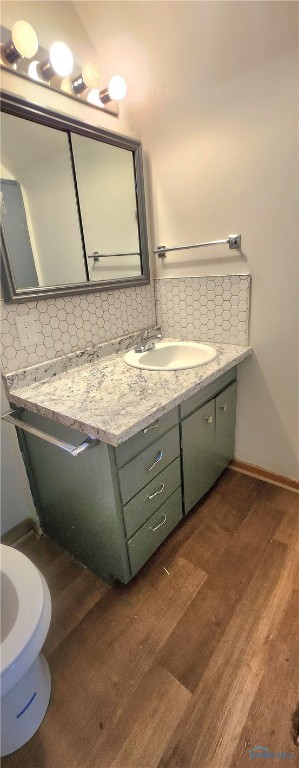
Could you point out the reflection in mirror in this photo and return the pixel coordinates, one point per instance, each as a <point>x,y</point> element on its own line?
<point>72,205</point>
<point>108,204</point>
<point>39,216</point>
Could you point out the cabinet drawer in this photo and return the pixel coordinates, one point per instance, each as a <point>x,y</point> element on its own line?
<point>141,470</point>
<point>144,543</point>
<point>145,503</point>
<point>208,392</point>
<point>147,436</point>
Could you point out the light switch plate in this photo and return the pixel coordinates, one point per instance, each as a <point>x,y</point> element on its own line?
<point>26,330</point>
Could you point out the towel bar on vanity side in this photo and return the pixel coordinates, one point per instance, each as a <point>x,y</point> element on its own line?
<point>74,451</point>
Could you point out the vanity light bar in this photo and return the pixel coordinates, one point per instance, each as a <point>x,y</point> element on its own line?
<point>233,242</point>
<point>21,53</point>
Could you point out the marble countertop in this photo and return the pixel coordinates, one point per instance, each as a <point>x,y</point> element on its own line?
<point>110,400</point>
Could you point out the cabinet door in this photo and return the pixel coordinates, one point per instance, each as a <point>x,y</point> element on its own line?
<point>198,443</point>
<point>225,427</point>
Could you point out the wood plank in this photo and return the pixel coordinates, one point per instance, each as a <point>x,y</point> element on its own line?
<point>62,572</point>
<point>114,651</point>
<point>145,725</point>
<point>245,492</point>
<point>103,660</point>
<point>71,605</point>
<point>268,722</point>
<point>222,700</point>
<point>288,529</point>
<point>42,555</point>
<point>227,512</point>
<point>281,498</point>
<point>204,548</point>
<point>196,636</point>
<point>193,538</point>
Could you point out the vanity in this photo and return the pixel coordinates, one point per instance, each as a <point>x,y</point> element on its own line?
<point>116,455</point>
<point>158,441</point>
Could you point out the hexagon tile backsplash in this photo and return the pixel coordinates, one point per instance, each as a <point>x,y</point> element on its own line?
<point>71,323</point>
<point>213,308</point>
<point>200,308</point>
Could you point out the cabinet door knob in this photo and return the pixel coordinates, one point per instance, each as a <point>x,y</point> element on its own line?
<point>209,419</point>
<point>157,492</point>
<point>159,526</point>
<point>223,407</point>
<point>157,459</point>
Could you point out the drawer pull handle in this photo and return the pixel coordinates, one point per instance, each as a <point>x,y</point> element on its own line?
<point>223,407</point>
<point>209,419</point>
<point>159,526</point>
<point>157,492</point>
<point>152,426</point>
<point>157,459</point>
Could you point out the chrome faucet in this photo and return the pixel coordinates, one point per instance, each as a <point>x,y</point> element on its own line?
<point>148,341</point>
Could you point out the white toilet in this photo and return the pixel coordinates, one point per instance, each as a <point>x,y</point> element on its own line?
<point>25,676</point>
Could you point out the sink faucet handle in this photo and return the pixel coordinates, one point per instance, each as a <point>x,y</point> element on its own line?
<point>148,341</point>
<point>147,335</point>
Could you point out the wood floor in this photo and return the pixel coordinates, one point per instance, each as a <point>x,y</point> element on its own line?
<point>191,665</point>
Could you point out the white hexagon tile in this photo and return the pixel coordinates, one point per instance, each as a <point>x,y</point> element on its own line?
<point>206,308</point>
<point>213,308</point>
<point>75,322</point>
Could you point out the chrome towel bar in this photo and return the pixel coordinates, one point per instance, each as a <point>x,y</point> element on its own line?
<point>74,451</point>
<point>97,256</point>
<point>233,242</point>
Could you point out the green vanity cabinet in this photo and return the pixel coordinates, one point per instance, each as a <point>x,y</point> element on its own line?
<point>208,441</point>
<point>111,517</point>
<point>225,415</point>
<point>112,507</point>
<point>198,450</point>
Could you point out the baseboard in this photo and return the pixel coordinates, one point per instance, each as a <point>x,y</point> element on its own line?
<point>20,531</point>
<point>265,474</point>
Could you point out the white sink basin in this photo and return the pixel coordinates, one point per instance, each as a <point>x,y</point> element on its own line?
<point>172,356</point>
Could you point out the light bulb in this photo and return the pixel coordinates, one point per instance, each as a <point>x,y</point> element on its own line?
<point>61,59</point>
<point>22,44</point>
<point>117,88</point>
<point>91,75</point>
<point>66,86</point>
<point>24,39</point>
<point>94,98</point>
<point>33,71</point>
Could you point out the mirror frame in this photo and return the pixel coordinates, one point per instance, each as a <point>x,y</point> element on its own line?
<point>14,105</point>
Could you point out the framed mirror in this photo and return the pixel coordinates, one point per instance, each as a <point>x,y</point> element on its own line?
<point>72,205</point>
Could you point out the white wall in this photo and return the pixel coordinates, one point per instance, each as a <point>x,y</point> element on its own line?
<point>16,500</point>
<point>54,218</point>
<point>238,173</point>
<point>106,184</point>
<point>224,159</point>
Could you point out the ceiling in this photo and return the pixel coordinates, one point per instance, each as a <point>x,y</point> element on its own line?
<point>174,55</point>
